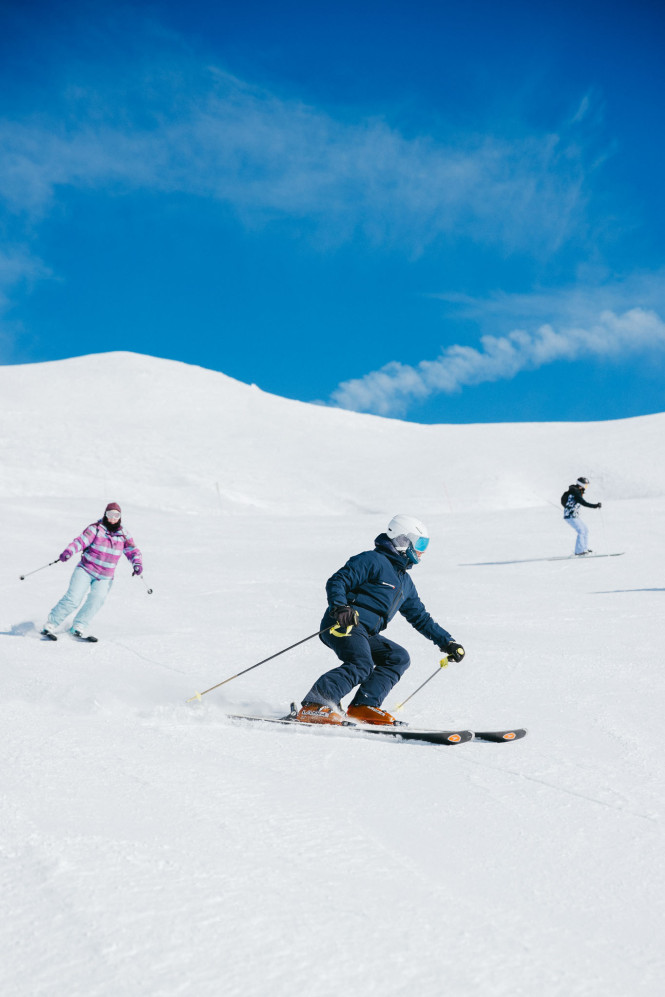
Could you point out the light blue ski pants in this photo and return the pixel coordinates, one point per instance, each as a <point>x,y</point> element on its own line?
<point>81,585</point>
<point>582,542</point>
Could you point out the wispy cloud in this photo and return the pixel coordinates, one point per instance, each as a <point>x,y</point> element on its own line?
<point>203,132</point>
<point>18,266</point>
<point>396,386</point>
<point>575,305</point>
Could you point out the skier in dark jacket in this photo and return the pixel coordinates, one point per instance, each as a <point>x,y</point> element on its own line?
<point>363,597</point>
<point>571,501</point>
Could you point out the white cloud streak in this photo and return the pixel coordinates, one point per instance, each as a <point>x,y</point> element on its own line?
<point>578,305</point>
<point>17,266</point>
<point>396,386</point>
<point>216,137</point>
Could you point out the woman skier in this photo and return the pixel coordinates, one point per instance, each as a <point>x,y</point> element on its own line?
<point>101,544</point>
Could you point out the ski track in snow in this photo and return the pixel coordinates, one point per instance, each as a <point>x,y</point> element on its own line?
<point>153,848</point>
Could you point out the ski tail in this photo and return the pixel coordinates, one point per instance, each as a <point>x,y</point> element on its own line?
<point>500,736</point>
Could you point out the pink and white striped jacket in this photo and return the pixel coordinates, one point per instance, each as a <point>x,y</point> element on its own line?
<point>102,549</point>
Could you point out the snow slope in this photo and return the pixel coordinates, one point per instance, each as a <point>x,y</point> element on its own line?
<point>153,847</point>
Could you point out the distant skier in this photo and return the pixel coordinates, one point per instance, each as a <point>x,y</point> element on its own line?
<point>102,544</point>
<point>571,501</point>
<point>363,597</point>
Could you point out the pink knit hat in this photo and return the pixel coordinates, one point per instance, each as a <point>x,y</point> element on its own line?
<point>112,507</point>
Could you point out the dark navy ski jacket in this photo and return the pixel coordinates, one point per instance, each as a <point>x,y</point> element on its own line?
<point>377,584</point>
<point>575,498</point>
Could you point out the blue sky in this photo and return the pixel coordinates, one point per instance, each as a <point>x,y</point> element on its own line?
<point>437,212</point>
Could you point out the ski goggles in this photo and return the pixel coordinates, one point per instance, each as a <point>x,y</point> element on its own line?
<point>113,514</point>
<point>420,544</point>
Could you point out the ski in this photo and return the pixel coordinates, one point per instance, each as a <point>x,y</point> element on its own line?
<point>500,736</point>
<point>532,560</point>
<point>47,635</point>
<point>580,557</point>
<point>86,640</point>
<point>404,733</point>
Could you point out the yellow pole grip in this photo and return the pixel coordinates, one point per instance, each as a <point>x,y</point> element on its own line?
<point>335,631</point>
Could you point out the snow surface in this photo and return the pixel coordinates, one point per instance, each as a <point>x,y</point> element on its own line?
<point>153,847</point>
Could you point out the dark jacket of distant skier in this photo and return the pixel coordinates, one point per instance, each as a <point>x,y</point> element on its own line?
<point>376,583</point>
<point>574,498</point>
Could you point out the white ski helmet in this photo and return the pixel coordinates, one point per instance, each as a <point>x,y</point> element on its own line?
<point>408,535</point>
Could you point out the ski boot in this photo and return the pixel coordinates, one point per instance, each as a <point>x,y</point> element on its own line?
<point>48,631</point>
<point>371,715</point>
<point>317,713</point>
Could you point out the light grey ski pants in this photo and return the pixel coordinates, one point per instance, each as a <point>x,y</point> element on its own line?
<point>582,542</point>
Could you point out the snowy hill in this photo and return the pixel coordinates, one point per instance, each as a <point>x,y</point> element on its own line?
<point>188,439</point>
<point>155,848</point>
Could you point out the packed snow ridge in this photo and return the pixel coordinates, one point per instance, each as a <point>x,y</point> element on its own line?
<point>189,439</point>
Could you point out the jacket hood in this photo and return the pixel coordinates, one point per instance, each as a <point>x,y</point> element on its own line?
<point>384,545</point>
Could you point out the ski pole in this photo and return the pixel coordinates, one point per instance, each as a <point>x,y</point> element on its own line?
<point>442,664</point>
<point>146,584</point>
<point>39,569</point>
<point>198,695</point>
<point>602,523</point>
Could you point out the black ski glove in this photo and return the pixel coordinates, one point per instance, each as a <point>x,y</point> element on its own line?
<point>599,505</point>
<point>454,650</point>
<point>345,616</point>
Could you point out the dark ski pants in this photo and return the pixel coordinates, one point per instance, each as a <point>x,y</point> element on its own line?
<point>376,664</point>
